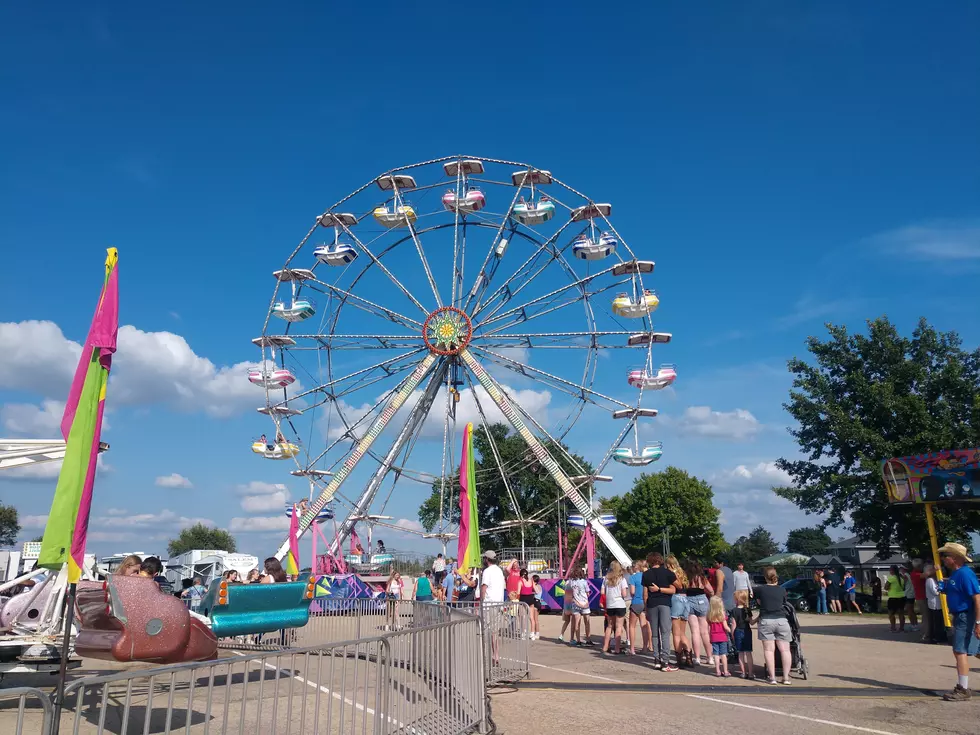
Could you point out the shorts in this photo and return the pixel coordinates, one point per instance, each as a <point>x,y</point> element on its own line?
<point>637,608</point>
<point>775,629</point>
<point>697,606</point>
<point>719,649</point>
<point>678,607</point>
<point>851,596</point>
<point>743,640</point>
<point>423,598</point>
<point>963,639</point>
<point>896,604</point>
<point>529,600</point>
<point>438,577</point>
<point>615,612</point>
<point>576,610</point>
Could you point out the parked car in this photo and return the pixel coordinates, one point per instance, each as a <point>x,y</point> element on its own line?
<point>802,594</point>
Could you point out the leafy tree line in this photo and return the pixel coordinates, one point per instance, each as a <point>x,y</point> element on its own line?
<point>863,398</point>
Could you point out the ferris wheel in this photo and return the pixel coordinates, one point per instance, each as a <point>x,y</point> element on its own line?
<point>451,291</point>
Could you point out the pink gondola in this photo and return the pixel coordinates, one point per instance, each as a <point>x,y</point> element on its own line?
<point>276,378</point>
<point>640,378</point>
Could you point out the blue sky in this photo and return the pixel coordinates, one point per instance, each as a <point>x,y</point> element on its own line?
<point>785,164</point>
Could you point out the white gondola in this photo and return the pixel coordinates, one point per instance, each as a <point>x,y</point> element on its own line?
<point>585,248</point>
<point>337,219</point>
<point>294,311</point>
<point>325,514</point>
<point>469,166</point>
<point>645,338</point>
<point>271,377</point>
<point>279,450</point>
<point>632,267</point>
<point>397,216</point>
<point>629,457</point>
<point>591,211</point>
<point>391,181</point>
<point>577,520</point>
<point>665,376</point>
<point>629,413</point>
<point>340,253</point>
<point>472,201</point>
<point>626,306</point>
<point>534,213</point>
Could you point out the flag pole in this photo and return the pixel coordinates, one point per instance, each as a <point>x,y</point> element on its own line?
<point>67,619</point>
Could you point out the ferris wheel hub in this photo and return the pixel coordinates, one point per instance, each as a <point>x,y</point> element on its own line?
<point>447,331</point>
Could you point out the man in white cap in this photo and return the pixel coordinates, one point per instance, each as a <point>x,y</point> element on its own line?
<point>962,592</point>
<point>492,583</point>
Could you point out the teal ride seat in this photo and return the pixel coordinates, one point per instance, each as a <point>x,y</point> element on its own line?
<point>248,609</point>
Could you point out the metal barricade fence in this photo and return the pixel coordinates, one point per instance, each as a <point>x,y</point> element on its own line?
<point>506,631</point>
<point>27,717</point>
<point>426,679</point>
<point>342,619</point>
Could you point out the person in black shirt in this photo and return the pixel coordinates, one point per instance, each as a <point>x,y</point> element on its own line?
<point>774,630</point>
<point>658,586</point>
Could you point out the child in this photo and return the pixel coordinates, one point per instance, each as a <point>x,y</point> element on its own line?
<point>742,619</point>
<point>718,631</point>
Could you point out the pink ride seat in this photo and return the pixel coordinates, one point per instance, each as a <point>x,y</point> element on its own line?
<point>130,619</point>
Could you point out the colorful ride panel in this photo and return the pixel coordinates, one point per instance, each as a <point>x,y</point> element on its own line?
<point>130,619</point>
<point>936,477</point>
<point>246,609</point>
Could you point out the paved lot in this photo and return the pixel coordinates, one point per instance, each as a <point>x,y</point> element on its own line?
<point>863,679</point>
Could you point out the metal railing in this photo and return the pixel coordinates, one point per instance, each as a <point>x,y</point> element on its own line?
<point>426,679</point>
<point>504,629</point>
<point>33,716</point>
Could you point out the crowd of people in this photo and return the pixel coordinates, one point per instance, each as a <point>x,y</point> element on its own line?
<point>684,615</point>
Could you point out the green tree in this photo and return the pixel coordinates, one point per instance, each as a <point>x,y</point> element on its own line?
<point>759,544</point>
<point>9,525</point>
<point>673,499</point>
<point>809,541</point>
<point>200,536</point>
<point>865,398</point>
<point>532,486</point>
<point>38,539</point>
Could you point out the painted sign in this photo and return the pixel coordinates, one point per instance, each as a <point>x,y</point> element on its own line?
<point>936,477</point>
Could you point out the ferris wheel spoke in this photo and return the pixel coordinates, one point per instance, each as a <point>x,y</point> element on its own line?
<point>389,367</point>
<point>546,309</point>
<point>384,269</point>
<point>545,247</point>
<point>397,401</point>
<point>483,278</point>
<point>566,386</point>
<point>506,407</point>
<point>561,340</point>
<point>344,296</point>
<point>412,424</point>
<point>418,247</point>
<point>549,297</point>
<point>356,341</point>
<point>493,448</point>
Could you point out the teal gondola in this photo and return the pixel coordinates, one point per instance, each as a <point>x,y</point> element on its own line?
<point>247,609</point>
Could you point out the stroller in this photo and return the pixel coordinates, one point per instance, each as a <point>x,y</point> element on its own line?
<point>799,663</point>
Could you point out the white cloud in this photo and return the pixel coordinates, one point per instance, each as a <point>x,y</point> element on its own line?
<point>737,425</point>
<point>148,368</point>
<point>173,480</point>
<point>166,519</point>
<point>408,524</point>
<point>259,524</point>
<point>761,473</point>
<point>264,503</point>
<point>745,498</point>
<point>117,512</point>
<point>35,356</point>
<point>34,421</point>
<point>34,521</point>
<point>938,242</point>
<point>257,487</point>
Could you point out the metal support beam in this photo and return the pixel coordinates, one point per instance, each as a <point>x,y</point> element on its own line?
<point>547,461</point>
<point>415,419</point>
<point>397,401</point>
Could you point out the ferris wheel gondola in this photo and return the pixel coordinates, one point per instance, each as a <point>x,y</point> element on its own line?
<point>420,328</point>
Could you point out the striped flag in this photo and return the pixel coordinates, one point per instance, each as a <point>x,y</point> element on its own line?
<point>468,551</point>
<point>81,426</point>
